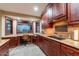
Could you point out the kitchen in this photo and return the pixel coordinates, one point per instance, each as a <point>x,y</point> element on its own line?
<point>55,31</point>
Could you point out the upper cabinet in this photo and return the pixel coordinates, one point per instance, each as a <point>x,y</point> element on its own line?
<point>73,13</point>
<point>58,10</point>
<point>53,11</point>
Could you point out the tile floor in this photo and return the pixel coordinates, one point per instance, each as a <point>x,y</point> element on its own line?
<point>28,50</point>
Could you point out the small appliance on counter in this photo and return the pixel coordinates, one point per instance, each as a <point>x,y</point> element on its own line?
<point>75,35</point>
<point>69,35</point>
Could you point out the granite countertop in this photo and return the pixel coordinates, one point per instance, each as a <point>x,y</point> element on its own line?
<point>68,42</point>
<point>3,41</point>
<point>18,35</point>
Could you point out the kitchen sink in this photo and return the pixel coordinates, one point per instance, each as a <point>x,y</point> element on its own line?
<point>59,38</point>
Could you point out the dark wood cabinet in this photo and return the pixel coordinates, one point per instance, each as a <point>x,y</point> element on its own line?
<point>14,41</point>
<point>66,50</point>
<point>47,24</point>
<point>50,47</point>
<point>69,51</point>
<point>73,13</point>
<point>58,10</point>
<point>53,48</point>
<point>35,40</point>
<point>4,49</point>
<point>17,41</point>
<point>76,52</point>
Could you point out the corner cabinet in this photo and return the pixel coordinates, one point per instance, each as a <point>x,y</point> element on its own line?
<point>73,13</point>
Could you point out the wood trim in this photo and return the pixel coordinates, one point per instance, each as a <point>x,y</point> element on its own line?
<point>61,19</point>
<point>68,13</point>
<point>44,11</point>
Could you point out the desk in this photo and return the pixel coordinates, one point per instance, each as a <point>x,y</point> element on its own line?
<point>15,39</point>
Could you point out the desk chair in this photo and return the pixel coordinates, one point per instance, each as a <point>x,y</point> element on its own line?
<point>26,39</point>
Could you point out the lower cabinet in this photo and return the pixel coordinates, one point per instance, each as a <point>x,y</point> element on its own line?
<point>4,49</point>
<point>54,48</point>
<point>14,41</point>
<point>49,47</point>
<point>69,51</point>
<point>66,50</point>
<point>34,40</point>
<point>76,52</point>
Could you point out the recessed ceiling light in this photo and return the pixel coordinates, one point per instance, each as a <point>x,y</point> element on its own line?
<point>36,8</point>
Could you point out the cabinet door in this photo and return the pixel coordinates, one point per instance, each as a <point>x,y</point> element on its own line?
<point>67,51</point>
<point>40,41</point>
<point>73,13</point>
<point>34,39</point>
<point>12,42</point>
<point>59,10</point>
<point>4,49</point>
<point>51,48</point>
<point>55,47</point>
<point>17,41</point>
<point>76,52</point>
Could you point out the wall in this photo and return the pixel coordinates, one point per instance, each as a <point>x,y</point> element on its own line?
<point>48,31</point>
<point>51,31</point>
<point>61,21</point>
<point>71,30</point>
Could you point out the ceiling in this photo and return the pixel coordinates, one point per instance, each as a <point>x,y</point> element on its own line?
<point>24,8</point>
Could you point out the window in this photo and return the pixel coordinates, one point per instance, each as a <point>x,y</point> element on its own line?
<point>24,27</point>
<point>8,25</point>
<point>37,27</point>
